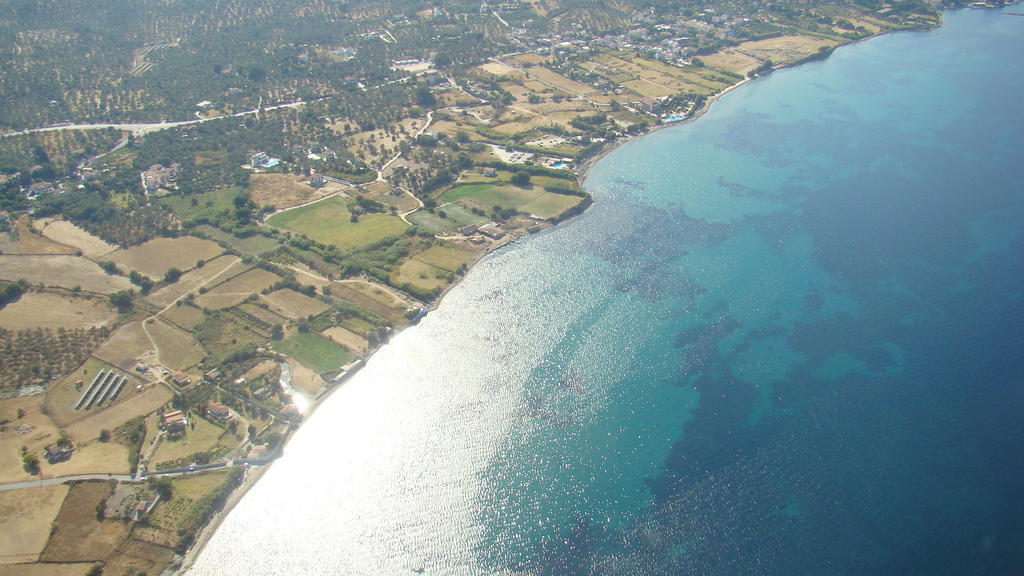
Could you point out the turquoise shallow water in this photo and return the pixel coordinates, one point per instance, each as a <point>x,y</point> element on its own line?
<point>786,339</point>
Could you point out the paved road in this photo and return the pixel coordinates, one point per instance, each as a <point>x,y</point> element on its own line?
<point>145,128</point>
<point>40,482</point>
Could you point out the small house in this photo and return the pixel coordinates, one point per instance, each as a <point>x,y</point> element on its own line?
<point>174,422</point>
<point>181,379</point>
<point>218,411</point>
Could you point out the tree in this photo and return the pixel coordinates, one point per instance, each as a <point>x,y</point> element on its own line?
<point>442,60</point>
<point>30,462</point>
<point>424,97</point>
<point>172,275</point>
<point>104,435</point>
<point>521,178</point>
<point>122,300</point>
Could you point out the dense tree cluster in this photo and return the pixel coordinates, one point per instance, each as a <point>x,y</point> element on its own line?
<point>31,356</point>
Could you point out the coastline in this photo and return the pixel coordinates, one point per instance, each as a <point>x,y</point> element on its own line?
<point>255,473</point>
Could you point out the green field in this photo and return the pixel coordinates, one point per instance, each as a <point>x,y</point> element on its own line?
<point>420,274</point>
<point>329,222</point>
<point>445,257</point>
<point>252,245</point>
<point>457,216</point>
<point>314,351</point>
<point>205,205</point>
<point>534,200</point>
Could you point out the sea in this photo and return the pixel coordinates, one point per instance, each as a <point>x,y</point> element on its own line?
<point>786,339</point>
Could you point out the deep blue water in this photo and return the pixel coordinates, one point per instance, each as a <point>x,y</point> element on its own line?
<point>786,339</point>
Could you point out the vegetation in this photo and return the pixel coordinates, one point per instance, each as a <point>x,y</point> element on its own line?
<point>39,355</point>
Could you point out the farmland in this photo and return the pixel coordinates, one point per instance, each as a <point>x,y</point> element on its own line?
<point>285,190</point>
<point>314,351</point>
<point>78,536</point>
<point>68,233</point>
<point>533,200</point>
<point>158,255</point>
<point>330,222</point>
<point>53,310</point>
<point>175,348</point>
<point>292,305</point>
<point>62,271</point>
<point>455,216</point>
<point>223,266</point>
<point>235,290</point>
<point>25,517</point>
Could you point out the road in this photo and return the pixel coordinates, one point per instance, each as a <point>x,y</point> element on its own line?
<point>145,128</point>
<point>40,482</point>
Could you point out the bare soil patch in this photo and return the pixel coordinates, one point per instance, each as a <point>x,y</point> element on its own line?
<point>79,537</point>
<point>138,557</point>
<point>158,255</point>
<point>63,271</point>
<point>784,49</point>
<point>175,348</point>
<point>32,242</point>
<point>193,279</point>
<point>126,346</point>
<point>68,233</point>
<point>49,310</point>
<point>25,517</point>
<point>48,569</point>
<point>294,305</point>
<point>284,190</point>
<point>305,380</point>
<point>347,338</point>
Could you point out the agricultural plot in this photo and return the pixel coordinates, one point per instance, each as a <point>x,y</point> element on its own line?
<point>137,557</point>
<point>554,79</point>
<point>158,255</point>
<point>185,317</point>
<point>732,60</point>
<point>63,271</point>
<point>174,348</point>
<point>79,569</point>
<point>237,289</point>
<point>261,315</point>
<point>370,298</point>
<point>77,535</point>
<point>499,69</point>
<point>455,216</point>
<point>648,88</point>
<point>420,274</point>
<point>29,241</point>
<point>207,205</point>
<point>224,332</point>
<point>347,338</point>
<point>253,245</point>
<point>50,310</point>
<point>534,200</point>
<point>330,222</point>
<point>192,280</point>
<point>286,190</point>
<point>445,257</point>
<point>25,517</point>
<point>292,305</point>
<point>125,346</point>
<point>314,351</point>
<point>785,49</point>
<point>68,233</point>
